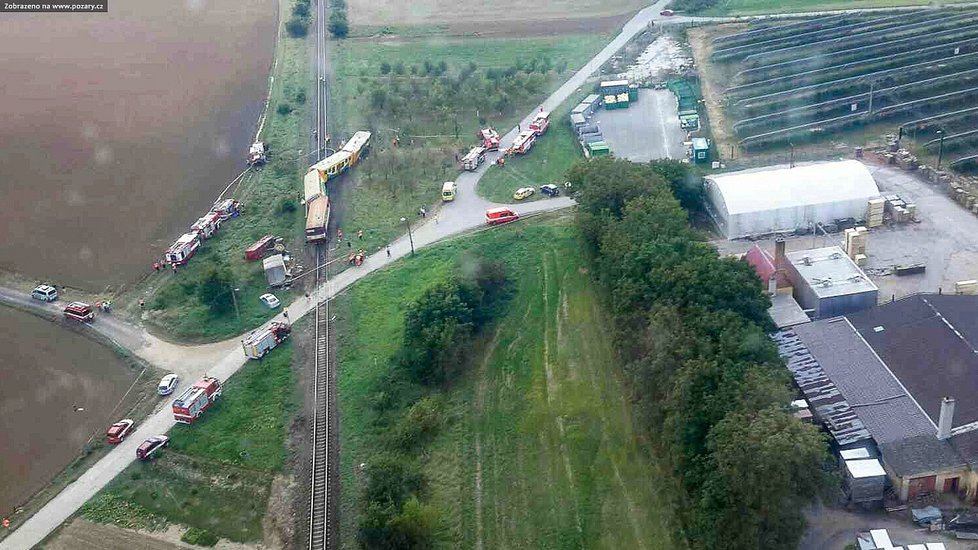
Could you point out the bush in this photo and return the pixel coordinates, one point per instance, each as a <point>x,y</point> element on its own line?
<point>200,537</point>
<point>338,25</point>
<point>215,289</point>
<point>385,68</point>
<point>297,27</point>
<point>283,109</point>
<point>287,206</point>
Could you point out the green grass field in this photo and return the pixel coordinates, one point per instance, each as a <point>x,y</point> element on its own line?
<point>754,7</point>
<point>395,182</point>
<point>170,302</point>
<point>552,155</point>
<point>538,449</point>
<point>217,472</point>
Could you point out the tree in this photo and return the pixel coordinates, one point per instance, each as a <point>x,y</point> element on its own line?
<point>338,25</point>
<point>214,289</point>
<point>385,68</point>
<point>399,68</point>
<point>297,27</point>
<point>769,465</point>
<point>437,328</point>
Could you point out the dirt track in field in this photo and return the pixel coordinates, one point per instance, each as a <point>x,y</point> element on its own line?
<point>519,14</point>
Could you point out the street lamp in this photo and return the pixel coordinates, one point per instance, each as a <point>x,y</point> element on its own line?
<point>410,238</point>
<point>940,152</point>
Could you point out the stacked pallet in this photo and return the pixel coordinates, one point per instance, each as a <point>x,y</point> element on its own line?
<point>966,287</point>
<point>874,212</point>
<point>855,244</point>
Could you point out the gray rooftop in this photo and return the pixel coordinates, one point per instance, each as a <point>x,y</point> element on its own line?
<point>785,311</point>
<point>829,272</point>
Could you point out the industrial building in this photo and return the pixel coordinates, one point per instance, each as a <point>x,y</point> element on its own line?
<point>898,380</point>
<point>827,283</point>
<point>766,201</point>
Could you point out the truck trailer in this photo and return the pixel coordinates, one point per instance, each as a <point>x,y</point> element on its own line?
<point>261,341</point>
<point>196,399</point>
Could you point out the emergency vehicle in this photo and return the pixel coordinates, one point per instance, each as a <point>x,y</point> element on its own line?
<point>80,311</point>
<point>196,399</point>
<point>261,341</point>
<point>472,159</point>
<point>540,123</point>
<point>489,139</point>
<point>183,249</point>
<point>523,143</point>
<point>207,225</point>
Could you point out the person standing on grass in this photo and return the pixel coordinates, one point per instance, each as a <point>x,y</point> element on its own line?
<point>360,234</point>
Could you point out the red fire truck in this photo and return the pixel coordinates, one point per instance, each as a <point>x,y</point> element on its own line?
<point>489,139</point>
<point>207,225</point>
<point>183,249</point>
<point>261,341</point>
<point>523,143</point>
<point>192,403</point>
<point>540,123</point>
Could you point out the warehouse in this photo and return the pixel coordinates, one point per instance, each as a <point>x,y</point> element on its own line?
<point>899,379</point>
<point>771,200</point>
<point>827,283</point>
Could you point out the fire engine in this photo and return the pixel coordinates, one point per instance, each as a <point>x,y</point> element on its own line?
<point>489,139</point>
<point>183,249</point>
<point>261,341</point>
<point>523,143</point>
<point>80,311</point>
<point>540,123</point>
<point>198,398</point>
<point>472,159</point>
<point>257,154</point>
<point>207,225</point>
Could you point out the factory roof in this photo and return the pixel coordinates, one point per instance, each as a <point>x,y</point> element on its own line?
<point>829,272</point>
<point>775,188</point>
<point>889,367</point>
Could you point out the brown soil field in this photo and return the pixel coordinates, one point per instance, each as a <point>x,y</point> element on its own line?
<point>85,535</point>
<point>531,15</point>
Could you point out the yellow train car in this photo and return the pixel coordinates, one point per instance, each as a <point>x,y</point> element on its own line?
<point>313,186</point>
<point>333,165</point>
<point>358,145</point>
<point>317,218</point>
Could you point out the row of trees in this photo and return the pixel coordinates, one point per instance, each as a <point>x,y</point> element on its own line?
<point>435,88</point>
<point>709,387</point>
<point>410,406</point>
<point>298,24</point>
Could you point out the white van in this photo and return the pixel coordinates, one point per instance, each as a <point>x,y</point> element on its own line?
<point>45,293</point>
<point>448,191</point>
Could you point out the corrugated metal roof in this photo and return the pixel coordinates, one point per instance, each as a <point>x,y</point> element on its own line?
<point>771,189</point>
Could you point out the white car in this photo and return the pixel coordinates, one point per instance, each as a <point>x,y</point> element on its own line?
<point>45,293</point>
<point>270,300</point>
<point>167,384</point>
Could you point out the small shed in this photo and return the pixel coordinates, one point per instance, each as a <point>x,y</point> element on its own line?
<point>594,100</point>
<point>275,270</point>
<point>701,150</point>
<point>865,480</point>
<point>577,120</point>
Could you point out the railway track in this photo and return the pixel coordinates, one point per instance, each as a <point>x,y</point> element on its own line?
<point>319,494</point>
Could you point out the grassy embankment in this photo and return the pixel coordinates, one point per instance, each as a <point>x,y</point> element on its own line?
<point>537,447</point>
<point>217,473</point>
<point>270,207</point>
<point>552,155</point>
<point>395,181</point>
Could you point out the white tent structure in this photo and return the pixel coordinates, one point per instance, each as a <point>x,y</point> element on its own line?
<point>758,202</point>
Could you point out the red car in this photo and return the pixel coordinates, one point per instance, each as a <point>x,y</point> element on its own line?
<point>118,431</point>
<point>501,215</point>
<point>148,448</point>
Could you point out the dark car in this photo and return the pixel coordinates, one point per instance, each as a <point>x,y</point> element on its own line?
<point>148,448</point>
<point>550,190</point>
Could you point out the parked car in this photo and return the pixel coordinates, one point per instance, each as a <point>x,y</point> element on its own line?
<point>667,13</point>
<point>500,215</point>
<point>270,300</point>
<point>550,190</point>
<point>118,431</point>
<point>44,293</point>
<point>148,448</point>
<point>167,384</point>
<point>522,193</point>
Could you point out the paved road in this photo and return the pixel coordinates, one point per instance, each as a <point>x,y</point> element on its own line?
<point>223,359</point>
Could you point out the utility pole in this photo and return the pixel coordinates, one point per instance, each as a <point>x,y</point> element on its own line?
<point>791,159</point>
<point>872,85</point>
<point>234,299</point>
<point>940,152</point>
<point>410,238</point>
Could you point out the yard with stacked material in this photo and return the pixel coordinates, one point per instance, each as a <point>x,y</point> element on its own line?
<point>845,79</point>
<point>532,445</point>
